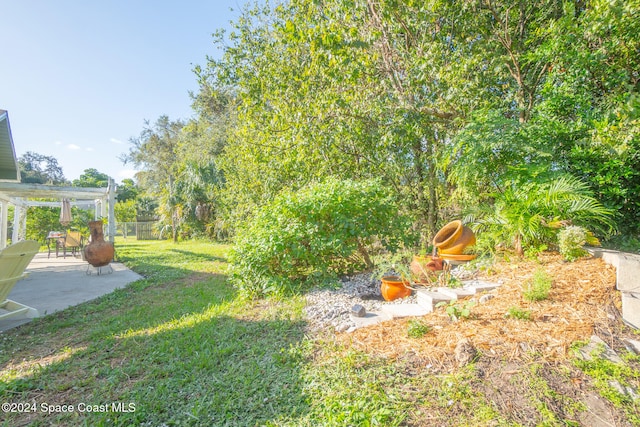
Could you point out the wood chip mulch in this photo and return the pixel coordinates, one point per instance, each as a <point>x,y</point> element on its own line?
<point>582,296</point>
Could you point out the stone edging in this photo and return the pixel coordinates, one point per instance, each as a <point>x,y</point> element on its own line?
<point>627,281</point>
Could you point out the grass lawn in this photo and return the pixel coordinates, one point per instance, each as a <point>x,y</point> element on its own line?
<point>180,347</point>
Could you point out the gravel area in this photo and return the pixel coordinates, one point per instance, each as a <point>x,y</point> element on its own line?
<point>331,308</point>
<point>328,309</point>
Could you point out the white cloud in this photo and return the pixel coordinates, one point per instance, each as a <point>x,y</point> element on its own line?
<point>58,142</point>
<point>89,149</point>
<point>115,141</point>
<point>73,147</point>
<point>127,173</point>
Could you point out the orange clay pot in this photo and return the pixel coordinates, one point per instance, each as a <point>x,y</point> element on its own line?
<point>422,265</point>
<point>458,258</point>
<point>394,287</point>
<point>453,238</point>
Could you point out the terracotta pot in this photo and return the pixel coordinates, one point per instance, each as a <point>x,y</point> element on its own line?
<point>459,258</point>
<point>394,287</point>
<point>422,265</point>
<point>453,238</point>
<point>457,247</point>
<point>447,234</point>
<point>98,253</point>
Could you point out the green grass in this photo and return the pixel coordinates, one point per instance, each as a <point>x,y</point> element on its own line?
<point>181,348</point>
<point>184,349</point>
<point>179,345</point>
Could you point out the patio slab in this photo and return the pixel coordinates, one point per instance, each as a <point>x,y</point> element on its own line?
<point>54,284</point>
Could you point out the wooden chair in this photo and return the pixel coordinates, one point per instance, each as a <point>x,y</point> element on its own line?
<point>14,260</point>
<point>72,241</point>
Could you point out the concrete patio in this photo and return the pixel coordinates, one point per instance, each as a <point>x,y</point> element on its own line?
<point>56,283</point>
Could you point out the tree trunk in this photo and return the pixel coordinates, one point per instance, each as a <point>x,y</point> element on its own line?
<point>174,226</point>
<point>422,204</point>
<point>432,188</point>
<point>426,189</point>
<point>365,255</point>
<point>517,244</point>
<point>432,216</point>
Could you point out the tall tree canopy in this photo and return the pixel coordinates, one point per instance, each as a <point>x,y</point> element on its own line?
<point>451,104</point>
<point>92,178</point>
<point>40,169</point>
<point>154,153</point>
<point>127,190</point>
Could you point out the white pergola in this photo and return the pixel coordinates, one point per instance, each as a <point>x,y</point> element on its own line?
<point>22,196</point>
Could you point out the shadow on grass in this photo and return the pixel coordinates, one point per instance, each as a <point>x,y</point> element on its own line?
<point>180,355</point>
<point>198,256</point>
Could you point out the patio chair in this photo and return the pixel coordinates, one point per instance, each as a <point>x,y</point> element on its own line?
<point>72,241</point>
<point>13,261</point>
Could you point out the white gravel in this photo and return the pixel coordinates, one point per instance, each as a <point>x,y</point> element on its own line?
<point>328,309</point>
<point>331,308</point>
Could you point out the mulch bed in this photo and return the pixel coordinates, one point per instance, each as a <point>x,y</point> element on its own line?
<point>582,299</point>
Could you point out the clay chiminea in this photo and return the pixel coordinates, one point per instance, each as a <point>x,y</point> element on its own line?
<point>98,253</point>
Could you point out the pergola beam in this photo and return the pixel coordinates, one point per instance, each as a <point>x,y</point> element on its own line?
<point>80,203</point>
<point>40,191</point>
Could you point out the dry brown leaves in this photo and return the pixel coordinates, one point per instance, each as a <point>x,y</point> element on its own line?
<point>581,294</point>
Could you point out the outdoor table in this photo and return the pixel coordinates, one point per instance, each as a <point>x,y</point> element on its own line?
<point>56,236</point>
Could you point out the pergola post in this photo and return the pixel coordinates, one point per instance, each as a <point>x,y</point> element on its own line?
<point>23,230</point>
<point>103,208</point>
<point>17,223</point>
<point>112,216</point>
<point>4,214</point>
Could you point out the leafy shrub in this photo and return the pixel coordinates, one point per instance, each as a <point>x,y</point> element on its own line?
<point>311,236</point>
<point>526,215</point>
<point>537,289</point>
<point>570,242</point>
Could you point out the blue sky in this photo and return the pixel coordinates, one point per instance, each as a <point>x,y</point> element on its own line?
<point>79,78</point>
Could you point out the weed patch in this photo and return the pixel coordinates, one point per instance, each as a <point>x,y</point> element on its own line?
<point>537,289</point>
<point>417,328</point>
<point>616,382</point>
<point>519,313</point>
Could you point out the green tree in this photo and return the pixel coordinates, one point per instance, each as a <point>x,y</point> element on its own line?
<point>591,105</point>
<point>341,89</point>
<point>529,215</point>
<point>198,188</point>
<point>40,169</point>
<point>146,207</point>
<point>127,190</point>
<point>154,152</point>
<point>41,220</point>
<point>92,178</point>
<point>201,181</point>
<point>449,102</point>
<point>568,86</point>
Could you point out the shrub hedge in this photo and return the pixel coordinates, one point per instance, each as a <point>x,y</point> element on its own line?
<point>312,235</point>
